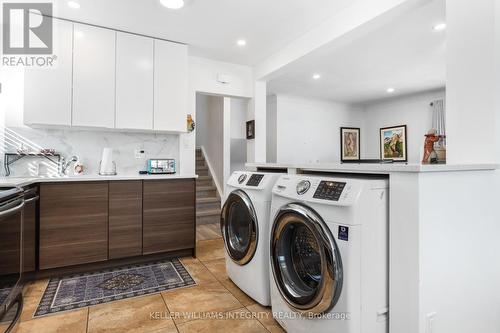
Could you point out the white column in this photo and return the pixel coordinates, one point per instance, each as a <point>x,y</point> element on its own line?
<point>187,142</point>
<point>260,95</point>
<point>497,78</point>
<point>226,139</point>
<point>470,81</point>
<point>404,254</point>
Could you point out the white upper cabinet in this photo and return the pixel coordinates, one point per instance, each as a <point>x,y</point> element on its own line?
<point>93,77</point>
<point>134,82</point>
<point>47,91</point>
<point>108,79</point>
<point>170,86</point>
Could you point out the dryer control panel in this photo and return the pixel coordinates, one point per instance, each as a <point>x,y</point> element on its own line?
<point>331,191</point>
<point>255,179</point>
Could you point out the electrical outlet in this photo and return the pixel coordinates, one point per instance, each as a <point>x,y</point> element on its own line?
<point>140,154</point>
<point>430,322</point>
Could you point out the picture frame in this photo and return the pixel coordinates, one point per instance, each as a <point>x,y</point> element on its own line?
<point>394,143</point>
<point>350,143</point>
<point>250,129</point>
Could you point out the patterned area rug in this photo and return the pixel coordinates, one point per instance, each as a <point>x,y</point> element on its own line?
<point>77,291</point>
<point>4,293</point>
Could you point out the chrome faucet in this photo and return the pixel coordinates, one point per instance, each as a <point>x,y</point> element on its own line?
<point>63,165</point>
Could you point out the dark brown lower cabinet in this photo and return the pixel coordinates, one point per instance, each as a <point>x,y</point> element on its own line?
<point>89,222</point>
<point>168,215</point>
<point>73,223</point>
<point>125,218</point>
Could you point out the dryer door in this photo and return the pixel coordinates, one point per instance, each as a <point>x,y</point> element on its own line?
<point>239,227</point>
<point>305,260</point>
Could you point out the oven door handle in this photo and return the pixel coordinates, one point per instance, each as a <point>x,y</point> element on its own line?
<point>27,201</point>
<point>12,210</point>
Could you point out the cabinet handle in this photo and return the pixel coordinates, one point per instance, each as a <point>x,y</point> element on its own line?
<point>32,199</point>
<point>12,210</point>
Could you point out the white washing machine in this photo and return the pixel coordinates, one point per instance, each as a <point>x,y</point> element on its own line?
<point>245,229</point>
<point>329,254</point>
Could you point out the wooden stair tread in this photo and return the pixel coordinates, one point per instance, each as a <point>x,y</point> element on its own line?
<point>206,188</point>
<point>210,212</point>
<point>208,200</point>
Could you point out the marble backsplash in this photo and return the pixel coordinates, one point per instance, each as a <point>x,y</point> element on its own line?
<point>88,146</point>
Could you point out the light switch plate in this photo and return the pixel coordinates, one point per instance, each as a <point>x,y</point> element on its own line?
<point>223,78</point>
<point>139,154</point>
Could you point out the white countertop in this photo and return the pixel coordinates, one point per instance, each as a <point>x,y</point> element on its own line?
<point>378,168</point>
<point>20,181</point>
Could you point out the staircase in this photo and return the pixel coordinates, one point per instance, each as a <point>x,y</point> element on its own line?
<point>207,198</point>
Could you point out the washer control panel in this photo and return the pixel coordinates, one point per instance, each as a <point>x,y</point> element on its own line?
<point>255,179</point>
<point>329,190</point>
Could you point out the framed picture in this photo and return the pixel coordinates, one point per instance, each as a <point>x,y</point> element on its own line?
<point>349,144</point>
<point>251,129</point>
<point>393,144</point>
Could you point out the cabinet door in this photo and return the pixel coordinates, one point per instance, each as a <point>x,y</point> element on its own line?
<point>134,82</point>
<point>170,86</point>
<point>47,91</point>
<point>168,215</point>
<point>125,219</point>
<point>73,223</point>
<point>93,77</point>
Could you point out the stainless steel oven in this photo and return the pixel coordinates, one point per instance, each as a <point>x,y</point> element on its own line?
<point>11,221</point>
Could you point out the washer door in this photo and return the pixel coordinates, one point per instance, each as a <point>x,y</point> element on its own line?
<point>305,260</point>
<point>239,227</point>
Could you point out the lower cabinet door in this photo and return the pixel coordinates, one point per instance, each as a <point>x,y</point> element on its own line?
<point>168,215</point>
<point>73,223</point>
<point>125,219</point>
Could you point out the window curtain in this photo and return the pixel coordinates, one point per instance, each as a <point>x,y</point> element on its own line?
<point>439,121</point>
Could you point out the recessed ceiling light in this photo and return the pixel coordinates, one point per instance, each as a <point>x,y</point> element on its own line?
<point>316,76</point>
<point>241,42</point>
<point>73,4</point>
<point>172,4</point>
<point>440,27</point>
<point>390,90</point>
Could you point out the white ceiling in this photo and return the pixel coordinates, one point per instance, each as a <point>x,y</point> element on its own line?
<point>211,27</point>
<point>405,53</point>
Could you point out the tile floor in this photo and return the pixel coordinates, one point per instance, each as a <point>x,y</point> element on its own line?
<point>215,304</point>
<point>208,231</point>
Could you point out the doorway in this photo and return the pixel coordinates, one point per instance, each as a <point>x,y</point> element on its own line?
<point>221,143</point>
